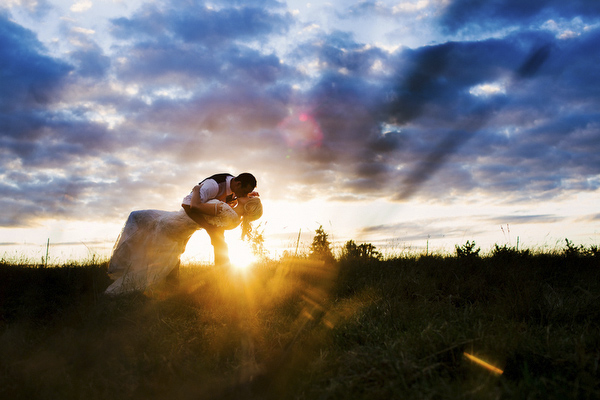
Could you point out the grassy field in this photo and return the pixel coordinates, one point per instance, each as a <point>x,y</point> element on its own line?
<point>296,329</point>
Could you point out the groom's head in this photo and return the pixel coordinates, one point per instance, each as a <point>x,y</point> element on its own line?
<point>243,184</point>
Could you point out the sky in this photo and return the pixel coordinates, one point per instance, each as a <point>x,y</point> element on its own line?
<point>413,125</point>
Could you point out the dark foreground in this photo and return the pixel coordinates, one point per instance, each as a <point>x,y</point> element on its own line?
<point>294,329</point>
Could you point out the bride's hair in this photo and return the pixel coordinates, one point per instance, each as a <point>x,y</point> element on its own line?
<point>253,210</point>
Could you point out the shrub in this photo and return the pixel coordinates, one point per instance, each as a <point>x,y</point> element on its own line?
<point>365,251</point>
<point>320,248</point>
<point>507,253</point>
<point>467,250</point>
<point>572,250</point>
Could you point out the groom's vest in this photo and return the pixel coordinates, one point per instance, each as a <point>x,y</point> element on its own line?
<point>221,180</point>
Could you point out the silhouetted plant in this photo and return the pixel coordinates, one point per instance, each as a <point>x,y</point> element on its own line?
<point>593,251</point>
<point>350,250</point>
<point>321,247</point>
<point>505,252</point>
<point>257,243</point>
<point>467,250</point>
<point>571,250</point>
<point>363,251</point>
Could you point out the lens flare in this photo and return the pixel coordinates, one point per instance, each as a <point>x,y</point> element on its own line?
<point>300,129</point>
<point>483,364</point>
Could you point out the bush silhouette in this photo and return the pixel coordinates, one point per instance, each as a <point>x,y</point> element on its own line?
<point>320,248</point>
<point>365,251</point>
<point>467,250</point>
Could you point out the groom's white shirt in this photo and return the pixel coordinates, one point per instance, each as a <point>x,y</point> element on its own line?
<point>210,189</point>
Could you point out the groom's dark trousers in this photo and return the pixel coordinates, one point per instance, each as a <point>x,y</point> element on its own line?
<point>217,237</point>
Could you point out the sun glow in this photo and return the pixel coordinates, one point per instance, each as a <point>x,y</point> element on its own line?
<point>240,254</point>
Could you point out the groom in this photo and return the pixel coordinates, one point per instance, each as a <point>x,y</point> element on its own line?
<point>227,188</point>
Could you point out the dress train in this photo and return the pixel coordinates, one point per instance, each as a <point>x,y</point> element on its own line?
<point>148,249</point>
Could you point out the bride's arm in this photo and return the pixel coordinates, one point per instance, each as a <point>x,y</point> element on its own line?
<point>197,205</point>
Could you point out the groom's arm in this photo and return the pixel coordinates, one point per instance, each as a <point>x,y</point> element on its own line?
<point>199,206</point>
<point>197,216</point>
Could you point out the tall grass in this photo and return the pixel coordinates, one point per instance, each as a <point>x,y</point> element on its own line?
<point>299,329</point>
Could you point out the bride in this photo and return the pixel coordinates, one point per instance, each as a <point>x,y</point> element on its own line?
<point>152,241</point>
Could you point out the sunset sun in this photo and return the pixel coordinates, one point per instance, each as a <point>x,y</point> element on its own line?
<point>240,254</point>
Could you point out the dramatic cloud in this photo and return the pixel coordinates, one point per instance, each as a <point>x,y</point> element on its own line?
<point>499,99</point>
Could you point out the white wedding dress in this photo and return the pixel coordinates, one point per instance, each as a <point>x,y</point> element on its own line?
<point>152,241</point>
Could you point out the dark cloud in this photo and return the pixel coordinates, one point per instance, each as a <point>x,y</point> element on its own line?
<point>438,78</point>
<point>42,141</point>
<point>33,129</point>
<point>432,91</point>
<point>346,102</point>
<point>38,195</point>
<point>449,134</point>
<point>368,7</point>
<point>29,78</point>
<point>90,60</point>
<point>164,63</point>
<point>464,14</point>
<point>201,24</point>
<point>185,46</point>
<point>32,83</point>
<point>339,51</point>
<point>452,70</point>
